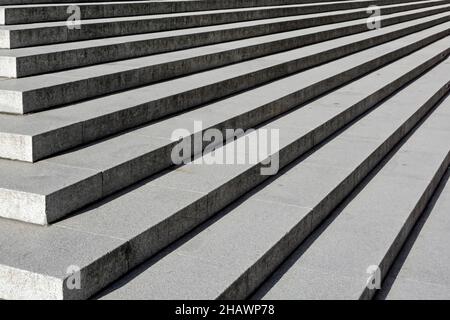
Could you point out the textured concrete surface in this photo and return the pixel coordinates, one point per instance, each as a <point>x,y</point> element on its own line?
<point>92,112</point>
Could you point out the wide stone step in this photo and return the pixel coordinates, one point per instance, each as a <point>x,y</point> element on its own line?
<point>21,62</point>
<point>420,272</point>
<point>59,12</point>
<point>230,256</point>
<point>109,238</point>
<point>43,134</point>
<point>26,35</point>
<point>348,256</point>
<point>50,189</point>
<point>50,90</point>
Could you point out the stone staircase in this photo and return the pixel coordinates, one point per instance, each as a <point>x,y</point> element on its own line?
<point>90,193</point>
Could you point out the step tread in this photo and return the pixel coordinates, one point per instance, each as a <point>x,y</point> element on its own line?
<point>223,248</point>
<point>160,197</point>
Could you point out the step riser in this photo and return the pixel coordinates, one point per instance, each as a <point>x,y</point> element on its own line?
<point>38,64</point>
<point>59,13</point>
<point>255,276</point>
<point>58,34</point>
<point>48,144</point>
